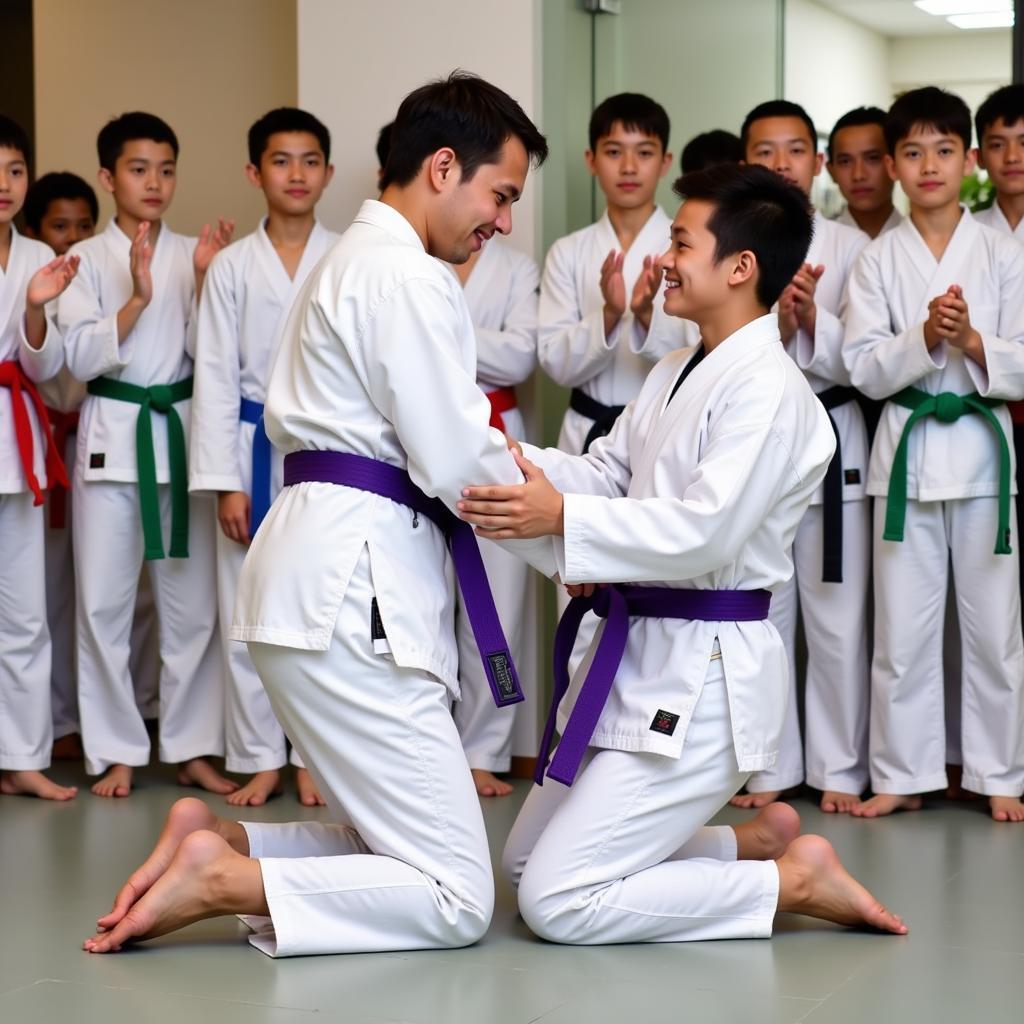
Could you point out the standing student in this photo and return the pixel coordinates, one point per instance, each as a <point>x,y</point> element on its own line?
<point>856,163</point>
<point>685,517</point>
<point>936,325</point>
<point>248,292</point>
<point>999,126</point>
<point>30,352</point>
<point>832,547</point>
<point>346,596</point>
<point>710,148</point>
<point>129,332</point>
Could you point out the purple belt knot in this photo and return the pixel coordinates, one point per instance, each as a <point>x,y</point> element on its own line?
<point>616,604</point>
<point>365,474</point>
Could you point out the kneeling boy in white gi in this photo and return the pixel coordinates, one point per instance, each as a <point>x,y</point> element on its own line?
<point>689,507</point>
<point>346,596</point>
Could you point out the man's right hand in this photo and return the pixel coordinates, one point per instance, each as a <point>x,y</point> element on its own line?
<point>233,512</point>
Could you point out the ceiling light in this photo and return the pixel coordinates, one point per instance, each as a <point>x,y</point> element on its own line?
<point>944,8</point>
<point>991,19</point>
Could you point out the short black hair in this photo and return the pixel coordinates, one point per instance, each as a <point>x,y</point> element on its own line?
<point>856,118</point>
<point>128,127</point>
<point>286,119</point>
<point>755,209</point>
<point>777,108</point>
<point>51,187</point>
<point>635,112</point>
<point>13,136</point>
<point>927,107</point>
<point>1005,104</point>
<point>465,113</point>
<point>384,144</point>
<point>709,148</point>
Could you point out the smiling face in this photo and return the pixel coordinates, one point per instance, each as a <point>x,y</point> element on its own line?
<point>292,172</point>
<point>784,145</point>
<point>930,166</point>
<point>142,182</point>
<point>858,167</point>
<point>13,183</point>
<point>628,165</point>
<point>1002,154</point>
<point>469,212</point>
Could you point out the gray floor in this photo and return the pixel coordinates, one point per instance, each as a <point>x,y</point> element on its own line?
<point>957,878</point>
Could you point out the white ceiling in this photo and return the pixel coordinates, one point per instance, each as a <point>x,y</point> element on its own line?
<point>893,17</point>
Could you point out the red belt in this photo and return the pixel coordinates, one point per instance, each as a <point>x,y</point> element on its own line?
<point>502,400</point>
<point>62,424</point>
<point>13,376</point>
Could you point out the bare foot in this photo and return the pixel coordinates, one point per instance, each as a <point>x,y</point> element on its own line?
<point>767,837</point>
<point>68,748</point>
<point>833,801</point>
<point>488,784</point>
<point>749,800</point>
<point>33,783</point>
<point>205,878</point>
<point>117,782</point>
<point>1006,808</point>
<point>199,772</point>
<point>308,791</point>
<point>886,803</point>
<point>185,817</point>
<point>257,791</point>
<point>812,881</point>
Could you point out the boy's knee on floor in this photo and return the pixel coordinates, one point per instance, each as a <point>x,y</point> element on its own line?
<point>550,913</point>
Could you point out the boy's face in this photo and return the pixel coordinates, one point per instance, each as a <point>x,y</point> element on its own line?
<point>65,222</point>
<point>858,167</point>
<point>467,213</point>
<point>142,182</point>
<point>1002,154</point>
<point>694,284</point>
<point>930,165</point>
<point>13,183</point>
<point>628,166</point>
<point>292,172</point>
<point>784,145</point>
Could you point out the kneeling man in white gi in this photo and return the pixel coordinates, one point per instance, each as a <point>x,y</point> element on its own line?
<point>346,597</point>
<point>688,510</point>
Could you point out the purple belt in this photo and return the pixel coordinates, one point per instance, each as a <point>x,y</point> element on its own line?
<point>617,604</point>
<point>365,474</point>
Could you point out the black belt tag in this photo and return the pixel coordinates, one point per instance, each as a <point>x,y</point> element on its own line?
<point>501,670</point>
<point>851,476</point>
<point>97,460</point>
<point>665,722</point>
<point>376,622</point>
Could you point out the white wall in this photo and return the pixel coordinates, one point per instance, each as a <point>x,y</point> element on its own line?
<point>833,64</point>
<point>971,64</point>
<point>357,61</point>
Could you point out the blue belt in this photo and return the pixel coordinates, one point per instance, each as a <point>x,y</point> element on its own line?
<point>252,412</point>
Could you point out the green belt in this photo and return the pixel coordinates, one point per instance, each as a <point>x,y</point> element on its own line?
<point>946,407</point>
<point>158,398</point>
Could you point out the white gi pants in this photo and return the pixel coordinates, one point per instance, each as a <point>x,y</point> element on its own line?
<point>60,612</point>
<point>908,742</point>
<point>406,866</point>
<point>624,854</point>
<point>486,730</point>
<point>145,646</point>
<point>836,693</point>
<point>26,727</point>
<point>254,739</point>
<point>108,559</point>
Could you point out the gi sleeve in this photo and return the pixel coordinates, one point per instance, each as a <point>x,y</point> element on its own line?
<point>508,356</point>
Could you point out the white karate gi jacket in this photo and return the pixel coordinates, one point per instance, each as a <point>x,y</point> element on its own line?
<point>572,347</point>
<point>377,358</point>
<point>707,493</point>
<point>26,257</point>
<point>994,218</point>
<point>884,349</point>
<point>247,295</point>
<point>158,350</point>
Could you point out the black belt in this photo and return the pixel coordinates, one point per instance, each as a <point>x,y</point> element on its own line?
<point>604,416</point>
<point>832,505</point>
